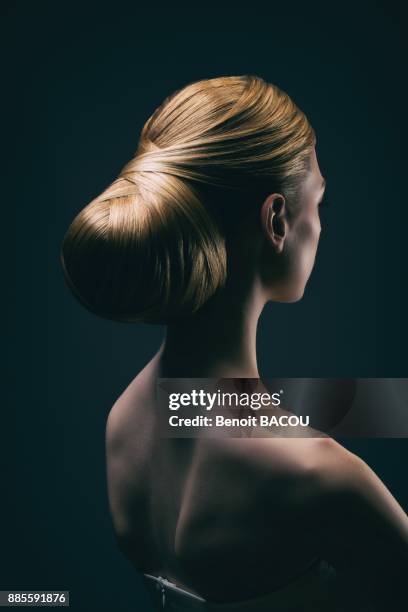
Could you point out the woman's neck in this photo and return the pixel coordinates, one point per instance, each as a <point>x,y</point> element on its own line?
<point>218,341</point>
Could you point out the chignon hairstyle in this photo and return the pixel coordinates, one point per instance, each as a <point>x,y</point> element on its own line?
<point>152,246</point>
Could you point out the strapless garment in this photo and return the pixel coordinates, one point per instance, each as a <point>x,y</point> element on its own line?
<point>316,589</point>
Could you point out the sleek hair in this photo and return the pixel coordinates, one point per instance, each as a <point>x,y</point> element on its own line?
<point>152,246</point>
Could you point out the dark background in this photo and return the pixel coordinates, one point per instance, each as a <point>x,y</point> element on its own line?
<point>80,84</point>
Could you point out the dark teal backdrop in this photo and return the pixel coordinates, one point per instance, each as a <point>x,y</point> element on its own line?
<point>81,83</point>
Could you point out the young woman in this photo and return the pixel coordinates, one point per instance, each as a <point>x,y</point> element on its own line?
<point>217,214</point>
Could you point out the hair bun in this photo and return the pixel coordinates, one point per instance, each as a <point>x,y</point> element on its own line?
<point>145,250</point>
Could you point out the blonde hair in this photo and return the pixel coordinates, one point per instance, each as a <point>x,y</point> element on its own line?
<point>152,246</point>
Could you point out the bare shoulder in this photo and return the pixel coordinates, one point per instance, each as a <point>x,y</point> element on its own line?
<point>353,520</point>
<point>343,501</point>
<point>130,412</point>
<point>320,459</point>
<point>343,476</point>
<point>128,445</point>
<point>357,523</point>
<point>339,479</point>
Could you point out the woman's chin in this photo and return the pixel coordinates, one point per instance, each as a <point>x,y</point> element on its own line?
<point>295,298</point>
<point>289,296</point>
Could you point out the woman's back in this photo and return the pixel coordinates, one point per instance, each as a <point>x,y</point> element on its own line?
<point>228,519</point>
<point>182,505</point>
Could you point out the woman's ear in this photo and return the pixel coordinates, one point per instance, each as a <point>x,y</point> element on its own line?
<point>274,221</point>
